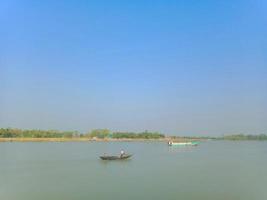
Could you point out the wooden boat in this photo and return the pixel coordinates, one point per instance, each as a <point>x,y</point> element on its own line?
<point>194,143</point>
<point>123,157</point>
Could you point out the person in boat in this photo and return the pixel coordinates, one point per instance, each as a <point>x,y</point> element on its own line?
<point>122,153</point>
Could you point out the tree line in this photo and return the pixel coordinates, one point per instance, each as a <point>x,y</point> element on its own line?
<point>96,133</point>
<point>106,133</point>
<point>19,133</point>
<point>244,137</point>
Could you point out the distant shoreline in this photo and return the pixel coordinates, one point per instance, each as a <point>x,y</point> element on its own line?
<point>91,140</point>
<point>105,135</point>
<point>166,139</point>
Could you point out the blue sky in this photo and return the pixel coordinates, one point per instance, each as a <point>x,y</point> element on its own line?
<point>178,67</point>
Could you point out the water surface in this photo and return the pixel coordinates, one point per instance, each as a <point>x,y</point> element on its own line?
<point>214,170</point>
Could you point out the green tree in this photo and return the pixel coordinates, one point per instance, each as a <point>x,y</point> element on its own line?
<point>100,133</point>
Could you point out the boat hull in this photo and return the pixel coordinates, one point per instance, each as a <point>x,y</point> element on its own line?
<point>124,157</point>
<point>183,143</point>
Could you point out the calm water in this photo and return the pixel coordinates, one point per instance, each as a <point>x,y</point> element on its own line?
<point>68,171</point>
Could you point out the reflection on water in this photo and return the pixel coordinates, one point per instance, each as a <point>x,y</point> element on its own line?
<point>182,149</point>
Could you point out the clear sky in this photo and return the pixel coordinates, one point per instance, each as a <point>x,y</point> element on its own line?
<point>179,67</point>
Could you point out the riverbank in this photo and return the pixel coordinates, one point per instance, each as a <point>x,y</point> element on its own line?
<point>92,140</point>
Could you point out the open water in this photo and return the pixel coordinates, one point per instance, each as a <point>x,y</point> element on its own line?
<point>214,170</point>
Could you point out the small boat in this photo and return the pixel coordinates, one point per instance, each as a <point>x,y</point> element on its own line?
<point>123,157</point>
<point>194,143</point>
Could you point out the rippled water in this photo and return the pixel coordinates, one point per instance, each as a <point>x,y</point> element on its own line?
<point>214,170</point>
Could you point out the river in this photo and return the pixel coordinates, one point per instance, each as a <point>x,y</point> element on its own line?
<point>214,170</point>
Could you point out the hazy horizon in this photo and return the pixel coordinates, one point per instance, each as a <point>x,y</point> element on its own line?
<point>177,67</point>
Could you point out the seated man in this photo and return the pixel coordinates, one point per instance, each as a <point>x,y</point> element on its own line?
<point>122,153</point>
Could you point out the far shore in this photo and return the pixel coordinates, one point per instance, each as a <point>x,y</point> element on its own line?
<point>92,140</point>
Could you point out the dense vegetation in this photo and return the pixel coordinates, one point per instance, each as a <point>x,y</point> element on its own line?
<point>143,135</point>
<point>237,137</point>
<point>105,133</point>
<point>245,137</point>
<point>18,133</point>
<point>97,133</point>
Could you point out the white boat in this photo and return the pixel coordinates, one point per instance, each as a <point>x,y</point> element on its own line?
<point>194,143</point>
